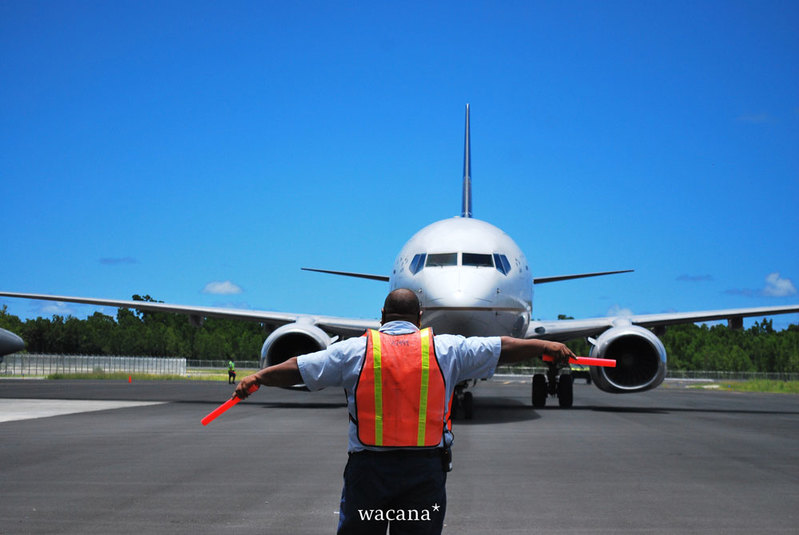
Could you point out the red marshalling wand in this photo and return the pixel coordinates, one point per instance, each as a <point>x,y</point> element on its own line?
<point>225,406</point>
<point>586,361</point>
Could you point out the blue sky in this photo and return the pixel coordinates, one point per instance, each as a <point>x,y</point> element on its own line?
<point>202,152</point>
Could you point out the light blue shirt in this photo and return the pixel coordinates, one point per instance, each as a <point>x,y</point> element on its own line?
<point>459,358</point>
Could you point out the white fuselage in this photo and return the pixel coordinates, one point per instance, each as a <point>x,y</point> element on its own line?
<point>471,278</point>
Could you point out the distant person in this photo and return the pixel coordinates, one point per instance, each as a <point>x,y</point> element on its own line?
<point>399,383</point>
<point>231,373</point>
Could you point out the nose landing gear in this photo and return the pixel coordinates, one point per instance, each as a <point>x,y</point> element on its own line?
<point>462,403</point>
<point>553,385</point>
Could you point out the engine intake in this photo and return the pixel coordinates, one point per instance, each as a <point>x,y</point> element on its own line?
<point>640,360</point>
<point>292,340</point>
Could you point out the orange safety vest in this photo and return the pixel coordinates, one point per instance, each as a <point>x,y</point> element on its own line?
<point>400,398</point>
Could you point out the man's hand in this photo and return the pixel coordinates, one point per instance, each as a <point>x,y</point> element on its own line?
<point>285,374</point>
<point>559,352</point>
<point>517,350</point>
<point>243,388</point>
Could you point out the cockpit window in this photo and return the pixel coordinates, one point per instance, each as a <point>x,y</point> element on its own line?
<point>502,263</point>
<point>477,260</point>
<point>496,260</point>
<point>417,263</point>
<point>442,259</point>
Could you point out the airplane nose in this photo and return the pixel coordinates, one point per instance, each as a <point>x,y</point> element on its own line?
<point>468,289</point>
<point>471,301</point>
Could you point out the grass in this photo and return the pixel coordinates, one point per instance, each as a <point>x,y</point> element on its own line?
<point>213,374</point>
<point>754,385</point>
<point>761,385</point>
<point>194,374</point>
<point>116,376</point>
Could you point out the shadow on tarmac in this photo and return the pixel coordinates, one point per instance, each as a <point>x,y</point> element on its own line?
<point>301,405</point>
<point>632,410</point>
<point>669,410</point>
<point>273,404</point>
<point>492,410</point>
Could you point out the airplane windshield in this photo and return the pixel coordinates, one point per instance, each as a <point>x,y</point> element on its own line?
<point>477,260</point>
<point>417,263</point>
<point>423,260</point>
<point>442,259</point>
<point>502,263</point>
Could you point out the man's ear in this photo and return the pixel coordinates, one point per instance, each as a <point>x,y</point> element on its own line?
<point>382,316</point>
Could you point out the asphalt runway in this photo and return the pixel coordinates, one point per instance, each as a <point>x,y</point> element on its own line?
<point>670,461</point>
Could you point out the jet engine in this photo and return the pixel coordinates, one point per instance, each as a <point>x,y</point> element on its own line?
<point>291,340</point>
<point>640,360</point>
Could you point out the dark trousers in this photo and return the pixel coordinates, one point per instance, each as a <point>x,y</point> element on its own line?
<point>403,490</point>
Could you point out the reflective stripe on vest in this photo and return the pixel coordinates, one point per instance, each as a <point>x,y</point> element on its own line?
<point>400,396</point>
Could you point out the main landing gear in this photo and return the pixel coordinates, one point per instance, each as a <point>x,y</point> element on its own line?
<point>553,385</point>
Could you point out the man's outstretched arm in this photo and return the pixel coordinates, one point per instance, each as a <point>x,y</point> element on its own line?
<point>517,349</point>
<point>284,374</point>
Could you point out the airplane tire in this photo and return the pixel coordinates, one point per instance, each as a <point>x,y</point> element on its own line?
<point>565,391</point>
<point>539,390</point>
<point>468,405</point>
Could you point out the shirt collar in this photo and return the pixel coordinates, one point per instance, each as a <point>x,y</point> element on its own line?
<point>398,327</point>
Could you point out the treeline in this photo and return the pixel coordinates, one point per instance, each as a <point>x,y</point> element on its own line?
<point>136,333</point>
<point>689,347</point>
<point>757,349</point>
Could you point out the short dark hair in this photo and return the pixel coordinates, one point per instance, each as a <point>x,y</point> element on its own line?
<point>401,303</point>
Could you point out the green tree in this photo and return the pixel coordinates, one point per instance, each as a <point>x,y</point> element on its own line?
<point>689,346</point>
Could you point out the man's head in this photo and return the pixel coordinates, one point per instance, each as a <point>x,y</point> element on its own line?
<point>402,305</point>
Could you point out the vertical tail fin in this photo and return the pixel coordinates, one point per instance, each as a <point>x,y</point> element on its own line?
<point>466,206</point>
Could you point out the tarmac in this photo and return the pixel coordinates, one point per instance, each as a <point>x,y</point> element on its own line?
<point>84,457</point>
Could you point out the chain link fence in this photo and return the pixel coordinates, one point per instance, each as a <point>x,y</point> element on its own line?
<point>731,376</point>
<point>240,364</point>
<point>22,365</point>
<point>677,374</point>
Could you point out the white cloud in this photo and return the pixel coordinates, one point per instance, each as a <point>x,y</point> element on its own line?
<point>222,288</point>
<point>54,309</point>
<point>778,287</point>
<point>617,310</point>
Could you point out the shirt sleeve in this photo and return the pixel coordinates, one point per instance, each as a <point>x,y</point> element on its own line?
<point>468,358</point>
<point>334,366</point>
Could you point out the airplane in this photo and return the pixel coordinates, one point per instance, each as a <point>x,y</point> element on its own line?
<point>473,279</point>
<point>10,343</point>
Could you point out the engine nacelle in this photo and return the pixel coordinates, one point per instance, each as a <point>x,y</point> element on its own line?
<point>640,360</point>
<point>292,340</point>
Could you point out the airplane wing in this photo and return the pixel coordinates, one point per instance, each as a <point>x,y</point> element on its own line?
<point>382,278</point>
<point>344,327</point>
<point>560,330</point>
<point>537,280</point>
<point>563,330</point>
<point>558,278</point>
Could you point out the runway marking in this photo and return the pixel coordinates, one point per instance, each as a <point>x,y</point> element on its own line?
<point>12,410</point>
